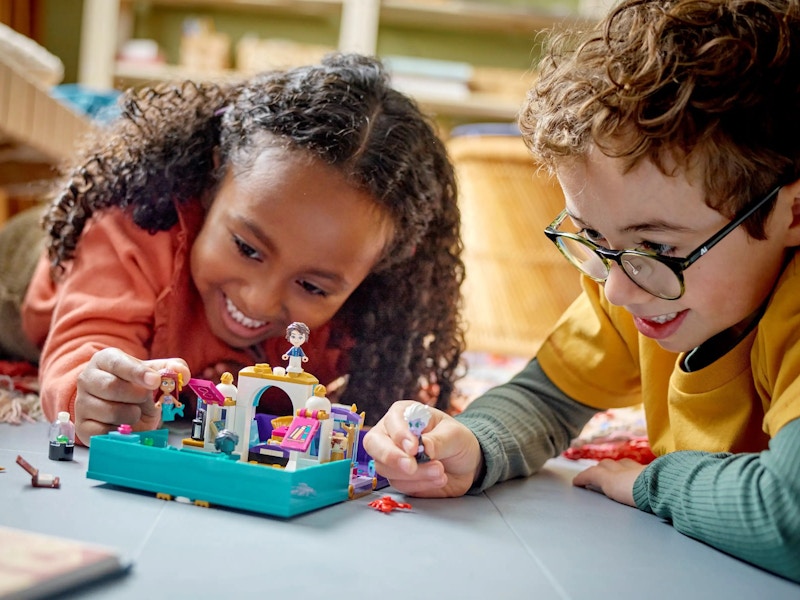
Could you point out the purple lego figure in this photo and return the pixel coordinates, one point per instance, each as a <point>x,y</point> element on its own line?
<point>297,333</point>
<point>417,416</point>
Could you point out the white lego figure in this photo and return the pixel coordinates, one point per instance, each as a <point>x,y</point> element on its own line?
<point>417,416</point>
<point>297,334</point>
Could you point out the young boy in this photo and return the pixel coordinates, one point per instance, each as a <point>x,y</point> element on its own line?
<point>674,131</point>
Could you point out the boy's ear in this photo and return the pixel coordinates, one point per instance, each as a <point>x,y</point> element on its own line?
<point>792,190</point>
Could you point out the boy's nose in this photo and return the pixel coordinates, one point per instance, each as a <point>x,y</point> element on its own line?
<point>621,291</point>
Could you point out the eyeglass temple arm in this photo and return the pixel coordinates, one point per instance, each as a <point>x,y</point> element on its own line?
<point>715,239</point>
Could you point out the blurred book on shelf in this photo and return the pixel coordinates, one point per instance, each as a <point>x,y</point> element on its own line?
<point>430,78</point>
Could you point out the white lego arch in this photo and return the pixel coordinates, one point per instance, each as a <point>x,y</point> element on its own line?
<point>252,381</point>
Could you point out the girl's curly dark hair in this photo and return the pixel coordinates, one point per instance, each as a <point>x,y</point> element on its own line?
<point>405,316</point>
<point>711,84</point>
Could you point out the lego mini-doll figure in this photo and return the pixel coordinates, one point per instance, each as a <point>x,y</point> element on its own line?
<point>166,396</point>
<point>297,334</point>
<point>417,416</point>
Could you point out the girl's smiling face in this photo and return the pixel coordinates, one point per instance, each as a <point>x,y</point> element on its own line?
<point>646,209</point>
<point>285,240</point>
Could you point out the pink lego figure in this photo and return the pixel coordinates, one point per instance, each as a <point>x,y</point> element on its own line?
<point>166,396</point>
<point>297,333</point>
<point>417,416</point>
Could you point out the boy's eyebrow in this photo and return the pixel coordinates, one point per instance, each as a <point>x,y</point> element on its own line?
<point>335,279</point>
<point>657,225</point>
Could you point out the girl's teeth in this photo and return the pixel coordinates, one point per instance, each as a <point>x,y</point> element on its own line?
<point>661,319</point>
<point>240,317</point>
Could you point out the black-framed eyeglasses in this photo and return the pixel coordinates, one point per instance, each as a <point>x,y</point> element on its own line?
<point>659,275</point>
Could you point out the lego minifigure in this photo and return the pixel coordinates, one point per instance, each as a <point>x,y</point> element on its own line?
<point>297,334</point>
<point>417,416</point>
<point>166,396</point>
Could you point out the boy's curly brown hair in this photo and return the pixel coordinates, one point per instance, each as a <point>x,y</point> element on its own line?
<point>405,316</point>
<point>710,84</point>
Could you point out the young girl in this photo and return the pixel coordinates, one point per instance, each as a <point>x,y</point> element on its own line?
<point>209,217</point>
<point>674,131</point>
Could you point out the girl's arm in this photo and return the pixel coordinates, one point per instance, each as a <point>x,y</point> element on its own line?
<point>521,424</point>
<point>747,505</point>
<point>107,300</point>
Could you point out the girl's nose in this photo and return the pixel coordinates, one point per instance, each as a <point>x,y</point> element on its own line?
<point>265,299</point>
<point>621,291</point>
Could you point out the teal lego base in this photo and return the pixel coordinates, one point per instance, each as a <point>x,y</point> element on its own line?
<point>145,461</point>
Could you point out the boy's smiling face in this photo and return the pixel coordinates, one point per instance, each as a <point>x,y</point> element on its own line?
<point>646,209</point>
<point>285,240</point>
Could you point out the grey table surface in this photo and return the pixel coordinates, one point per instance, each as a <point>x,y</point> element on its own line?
<point>536,538</point>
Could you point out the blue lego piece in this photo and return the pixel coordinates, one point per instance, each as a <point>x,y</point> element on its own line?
<point>149,464</point>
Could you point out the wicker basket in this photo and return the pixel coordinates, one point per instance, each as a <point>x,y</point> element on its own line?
<point>517,283</point>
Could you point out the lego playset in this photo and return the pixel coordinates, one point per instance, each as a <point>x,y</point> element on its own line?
<point>281,465</point>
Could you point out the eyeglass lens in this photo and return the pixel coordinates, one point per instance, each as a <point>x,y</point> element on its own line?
<point>648,273</point>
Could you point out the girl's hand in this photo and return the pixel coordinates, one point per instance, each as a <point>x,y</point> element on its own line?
<point>614,478</point>
<point>116,388</point>
<point>455,454</point>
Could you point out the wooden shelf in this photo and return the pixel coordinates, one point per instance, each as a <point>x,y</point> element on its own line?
<point>360,22</point>
<point>474,16</point>
<point>295,7</point>
<point>480,105</point>
<point>455,14</point>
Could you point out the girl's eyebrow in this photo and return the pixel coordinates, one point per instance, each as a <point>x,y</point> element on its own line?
<point>335,279</point>
<point>256,231</point>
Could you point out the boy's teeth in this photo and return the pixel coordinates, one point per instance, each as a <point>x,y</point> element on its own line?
<point>240,317</point>
<point>661,319</point>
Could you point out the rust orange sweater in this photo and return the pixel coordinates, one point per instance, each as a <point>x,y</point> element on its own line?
<point>132,290</point>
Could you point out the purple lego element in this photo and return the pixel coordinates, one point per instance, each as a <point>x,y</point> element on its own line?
<point>264,424</point>
<point>264,452</point>
<point>343,411</point>
<point>365,466</point>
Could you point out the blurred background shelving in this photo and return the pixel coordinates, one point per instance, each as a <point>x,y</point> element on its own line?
<point>498,41</point>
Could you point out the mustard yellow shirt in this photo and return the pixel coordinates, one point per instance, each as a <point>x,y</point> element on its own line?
<point>728,434</point>
<point>736,404</point>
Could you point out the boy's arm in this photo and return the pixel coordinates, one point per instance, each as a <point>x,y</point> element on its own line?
<point>521,424</point>
<point>747,505</point>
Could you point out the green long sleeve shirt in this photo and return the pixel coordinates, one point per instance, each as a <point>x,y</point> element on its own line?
<point>747,505</point>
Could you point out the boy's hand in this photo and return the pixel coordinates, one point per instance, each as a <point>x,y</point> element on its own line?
<point>117,388</point>
<point>614,478</point>
<point>454,451</point>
